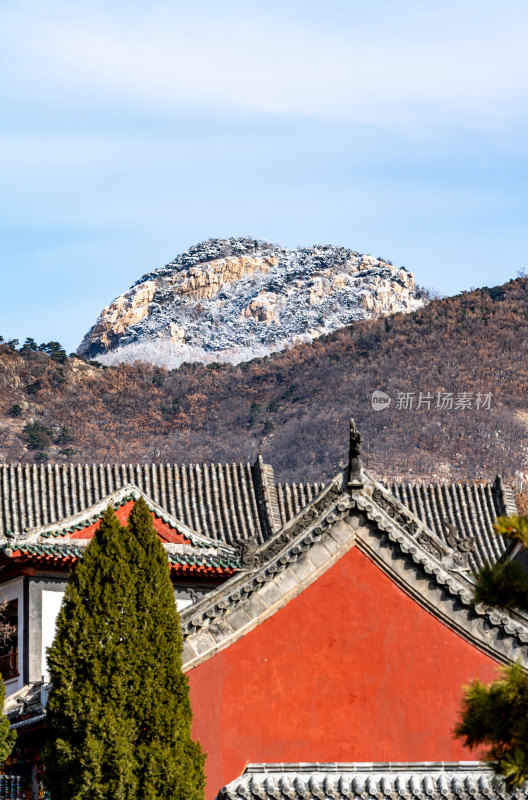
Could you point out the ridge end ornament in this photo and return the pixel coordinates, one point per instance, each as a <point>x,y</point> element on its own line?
<point>248,554</point>
<point>461,547</point>
<point>355,472</point>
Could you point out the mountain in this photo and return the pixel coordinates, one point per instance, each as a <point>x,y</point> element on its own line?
<point>231,300</point>
<point>294,406</point>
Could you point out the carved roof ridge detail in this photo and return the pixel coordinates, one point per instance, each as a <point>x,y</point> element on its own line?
<point>369,766</point>
<point>507,497</point>
<point>375,521</point>
<point>267,497</point>
<point>222,616</point>
<point>409,781</point>
<point>471,508</point>
<point>424,552</point>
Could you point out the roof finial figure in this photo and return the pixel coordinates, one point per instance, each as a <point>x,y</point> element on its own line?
<point>462,546</point>
<point>355,474</point>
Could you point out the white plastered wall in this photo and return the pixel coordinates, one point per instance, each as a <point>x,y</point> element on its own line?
<point>51,603</point>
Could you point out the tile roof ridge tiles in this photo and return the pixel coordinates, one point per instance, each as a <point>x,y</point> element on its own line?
<point>266,492</point>
<point>471,506</point>
<point>367,766</point>
<point>507,496</point>
<point>372,485</point>
<point>119,464</point>
<point>421,780</point>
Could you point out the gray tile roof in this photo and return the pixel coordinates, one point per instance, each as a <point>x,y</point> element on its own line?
<point>292,497</point>
<point>472,508</point>
<point>227,502</point>
<point>27,723</point>
<point>419,781</point>
<point>232,502</point>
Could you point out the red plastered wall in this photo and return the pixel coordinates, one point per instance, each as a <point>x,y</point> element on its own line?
<point>352,669</point>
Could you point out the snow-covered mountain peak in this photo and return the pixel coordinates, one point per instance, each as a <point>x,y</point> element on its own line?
<point>240,298</point>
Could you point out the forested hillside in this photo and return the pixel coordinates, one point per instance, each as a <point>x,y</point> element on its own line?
<point>294,406</point>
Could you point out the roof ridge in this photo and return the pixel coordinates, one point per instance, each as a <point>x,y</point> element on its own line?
<point>507,497</point>
<point>370,518</point>
<point>268,504</point>
<point>88,464</point>
<point>411,781</point>
<point>71,551</point>
<point>117,498</point>
<point>368,766</point>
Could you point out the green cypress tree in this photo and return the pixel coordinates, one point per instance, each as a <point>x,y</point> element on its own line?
<point>495,717</point>
<point>7,736</point>
<point>169,763</point>
<point>119,713</point>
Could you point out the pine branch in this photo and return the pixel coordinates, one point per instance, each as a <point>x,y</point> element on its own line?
<point>514,527</point>
<point>504,585</point>
<point>496,717</point>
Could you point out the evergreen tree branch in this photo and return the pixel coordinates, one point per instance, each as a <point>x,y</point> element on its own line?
<point>514,527</point>
<point>504,585</point>
<point>495,717</point>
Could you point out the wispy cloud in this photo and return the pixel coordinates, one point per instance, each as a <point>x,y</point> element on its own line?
<point>396,64</point>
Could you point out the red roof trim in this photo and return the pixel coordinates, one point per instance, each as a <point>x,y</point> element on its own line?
<point>69,562</point>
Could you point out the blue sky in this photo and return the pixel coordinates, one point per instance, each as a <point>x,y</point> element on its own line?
<point>130,131</point>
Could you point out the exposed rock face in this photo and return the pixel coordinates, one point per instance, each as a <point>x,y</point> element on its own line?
<point>126,311</point>
<point>237,299</point>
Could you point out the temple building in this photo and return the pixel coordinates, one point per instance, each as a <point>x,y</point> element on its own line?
<point>328,629</point>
